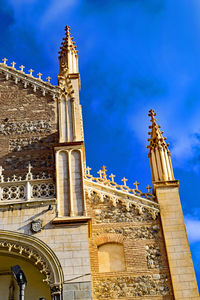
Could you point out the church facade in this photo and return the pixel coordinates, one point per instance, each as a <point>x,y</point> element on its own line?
<point>66,233</point>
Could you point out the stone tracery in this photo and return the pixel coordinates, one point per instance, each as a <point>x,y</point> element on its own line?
<point>27,187</point>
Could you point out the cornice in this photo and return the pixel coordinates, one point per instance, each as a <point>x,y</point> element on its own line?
<point>28,80</point>
<point>165,184</point>
<point>125,197</point>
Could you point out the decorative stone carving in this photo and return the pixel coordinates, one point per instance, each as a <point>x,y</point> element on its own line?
<point>29,80</point>
<point>142,232</point>
<point>56,290</point>
<point>127,286</point>
<point>26,187</point>
<point>36,225</point>
<point>103,180</point>
<point>39,126</point>
<point>13,192</point>
<point>153,256</point>
<point>44,190</point>
<point>29,253</point>
<point>116,209</point>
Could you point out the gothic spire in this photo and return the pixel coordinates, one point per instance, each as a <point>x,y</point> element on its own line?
<point>156,140</point>
<point>159,154</point>
<point>68,58</point>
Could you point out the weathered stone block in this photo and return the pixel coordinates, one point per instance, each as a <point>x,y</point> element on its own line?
<point>68,295</point>
<point>82,295</point>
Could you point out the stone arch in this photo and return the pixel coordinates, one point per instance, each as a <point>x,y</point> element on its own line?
<point>38,253</point>
<point>109,238</point>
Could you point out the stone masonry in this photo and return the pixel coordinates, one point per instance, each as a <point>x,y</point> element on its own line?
<point>147,272</point>
<point>83,237</point>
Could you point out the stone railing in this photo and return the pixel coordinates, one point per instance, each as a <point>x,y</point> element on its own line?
<point>103,179</point>
<point>26,188</point>
<point>113,202</point>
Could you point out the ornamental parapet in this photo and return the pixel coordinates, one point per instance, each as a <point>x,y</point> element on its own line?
<point>129,198</point>
<point>28,80</point>
<point>26,188</point>
<point>103,180</point>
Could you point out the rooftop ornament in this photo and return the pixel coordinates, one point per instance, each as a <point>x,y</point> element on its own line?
<point>102,179</point>
<point>22,70</point>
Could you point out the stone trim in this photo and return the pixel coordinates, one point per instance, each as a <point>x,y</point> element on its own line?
<point>109,238</point>
<point>115,196</point>
<point>29,81</point>
<point>68,220</point>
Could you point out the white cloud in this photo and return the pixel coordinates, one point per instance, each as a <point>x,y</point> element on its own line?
<point>193,229</point>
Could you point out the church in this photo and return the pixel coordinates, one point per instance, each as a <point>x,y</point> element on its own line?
<point>67,233</point>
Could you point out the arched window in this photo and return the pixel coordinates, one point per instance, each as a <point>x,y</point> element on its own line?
<point>111,257</point>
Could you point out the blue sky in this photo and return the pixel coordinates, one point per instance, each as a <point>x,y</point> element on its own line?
<point>133,55</point>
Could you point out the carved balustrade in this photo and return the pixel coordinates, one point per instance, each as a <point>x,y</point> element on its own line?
<point>26,188</point>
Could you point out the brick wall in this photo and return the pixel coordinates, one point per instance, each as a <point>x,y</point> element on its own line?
<point>28,129</point>
<point>146,271</point>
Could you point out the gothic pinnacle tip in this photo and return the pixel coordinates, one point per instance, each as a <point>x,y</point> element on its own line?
<point>67,28</point>
<point>152,113</point>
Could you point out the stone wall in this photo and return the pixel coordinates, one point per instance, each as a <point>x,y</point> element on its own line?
<point>130,286</point>
<point>105,212</point>
<point>146,271</point>
<point>77,291</point>
<point>28,129</point>
<point>69,242</point>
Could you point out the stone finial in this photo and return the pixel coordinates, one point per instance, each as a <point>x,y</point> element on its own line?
<point>88,169</point>
<point>31,72</point>
<point>156,139</point>
<point>159,155</point>
<point>104,170</point>
<point>14,178</point>
<point>100,173</point>
<point>136,185</point>
<point>4,60</point>
<point>22,68</point>
<point>112,176</point>
<point>49,79</point>
<point>68,58</point>
<point>67,29</point>
<point>13,64</point>
<point>1,170</point>
<point>124,180</point>
<point>39,75</point>
<point>29,175</point>
<point>29,167</point>
<point>149,189</point>
<point>1,174</point>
